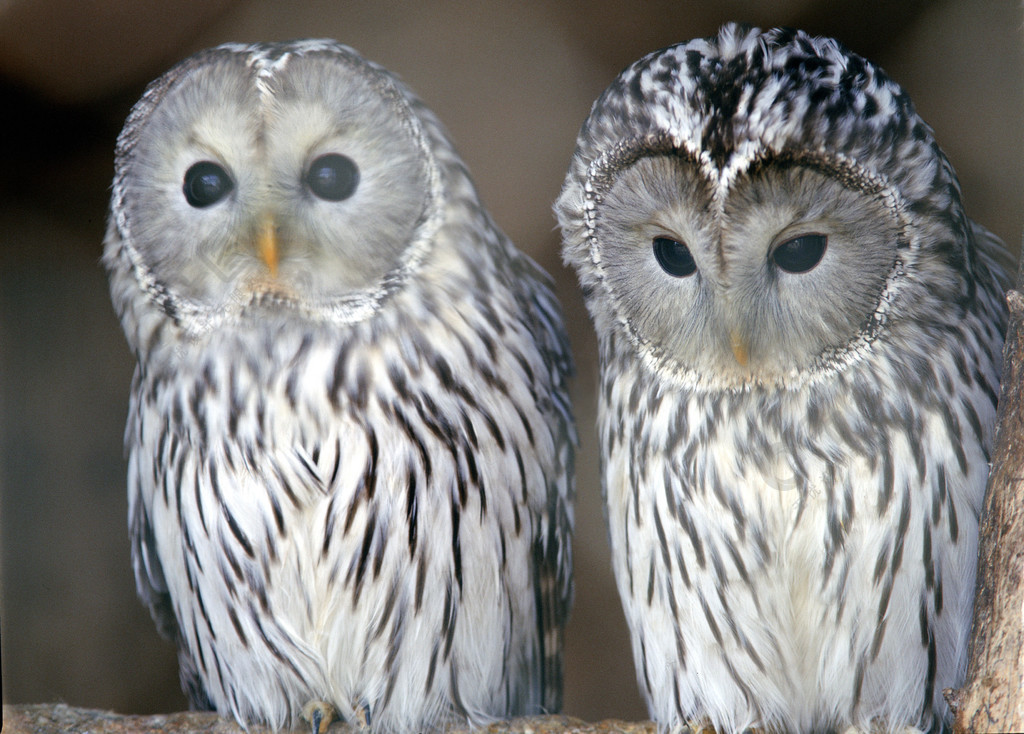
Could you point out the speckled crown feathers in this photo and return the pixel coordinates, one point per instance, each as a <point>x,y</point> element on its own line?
<point>747,95</point>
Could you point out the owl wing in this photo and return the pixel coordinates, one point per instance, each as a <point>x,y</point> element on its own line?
<point>994,255</point>
<point>152,588</point>
<point>552,544</point>
<point>150,582</point>
<point>149,573</point>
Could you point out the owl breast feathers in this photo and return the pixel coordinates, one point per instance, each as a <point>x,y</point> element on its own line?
<point>800,334</point>
<point>349,439</point>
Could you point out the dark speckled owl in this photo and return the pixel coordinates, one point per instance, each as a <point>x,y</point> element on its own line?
<point>800,335</point>
<point>349,441</point>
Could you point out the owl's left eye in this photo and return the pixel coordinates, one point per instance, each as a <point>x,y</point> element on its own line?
<point>674,257</point>
<point>206,183</point>
<point>332,177</point>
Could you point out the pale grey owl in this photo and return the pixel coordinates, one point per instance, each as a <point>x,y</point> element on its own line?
<point>349,439</point>
<point>800,339</point>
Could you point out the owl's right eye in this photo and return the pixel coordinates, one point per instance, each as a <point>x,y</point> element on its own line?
<point>674,257</point>
<point>206,183</point>
<point>800,254</point>
<point>333,177</point>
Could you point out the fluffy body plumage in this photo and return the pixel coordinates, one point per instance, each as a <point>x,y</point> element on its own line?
<point>349,439</point>
<point>800,335</point>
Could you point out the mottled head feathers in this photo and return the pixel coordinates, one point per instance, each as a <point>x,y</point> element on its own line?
<point>746,100</point>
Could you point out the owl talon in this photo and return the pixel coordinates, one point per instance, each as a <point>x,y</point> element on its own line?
<point>362,716</point>
<point>320,714</point>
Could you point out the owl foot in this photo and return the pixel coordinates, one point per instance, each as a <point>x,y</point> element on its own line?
<point>361,715</point>
<point>694,726</point>
<point>320,714</point>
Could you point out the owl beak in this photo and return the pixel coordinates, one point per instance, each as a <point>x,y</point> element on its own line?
<point>739,347</point>
<point>268,244</point>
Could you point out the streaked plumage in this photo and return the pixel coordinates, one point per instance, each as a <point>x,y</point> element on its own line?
<point>800,335</point>
<point>349,441</point>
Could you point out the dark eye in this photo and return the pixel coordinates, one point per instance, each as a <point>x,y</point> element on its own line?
<point>800,254</point>
<point>332,177</point>
<point>674,257</point>
<point>206,183</point>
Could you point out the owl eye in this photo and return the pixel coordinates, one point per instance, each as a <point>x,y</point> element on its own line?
<point>332,177</point>
<point>206,183</point>
<point>800,254</point>
<point>674,257</point>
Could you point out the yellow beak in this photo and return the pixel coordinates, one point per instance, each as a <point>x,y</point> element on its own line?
<point>739,347</point>
<point>268,243</point>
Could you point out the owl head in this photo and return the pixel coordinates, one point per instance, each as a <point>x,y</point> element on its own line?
<point>759,207</point>
<point>297,176</point>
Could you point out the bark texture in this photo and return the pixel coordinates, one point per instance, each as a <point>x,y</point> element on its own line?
<point>992,699</point>
<point>60,719</point>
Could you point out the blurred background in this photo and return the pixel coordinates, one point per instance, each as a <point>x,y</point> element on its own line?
<point>513,82</point>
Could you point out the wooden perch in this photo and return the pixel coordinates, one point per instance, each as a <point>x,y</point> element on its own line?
<point>60,718</point>
<point>992,699</point>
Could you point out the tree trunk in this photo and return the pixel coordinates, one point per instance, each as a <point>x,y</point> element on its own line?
<point>992,699</point>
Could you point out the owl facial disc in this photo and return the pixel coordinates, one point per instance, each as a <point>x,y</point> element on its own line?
<point>295,171</point>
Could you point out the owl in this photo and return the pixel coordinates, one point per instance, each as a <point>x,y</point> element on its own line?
<point>799,336</point>
<point>349,439</point>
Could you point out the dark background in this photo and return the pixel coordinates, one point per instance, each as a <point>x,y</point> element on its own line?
<point>513,82</point>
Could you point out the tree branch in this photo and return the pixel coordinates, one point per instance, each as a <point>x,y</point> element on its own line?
<point>59,718</point>
<point>992,699</point>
